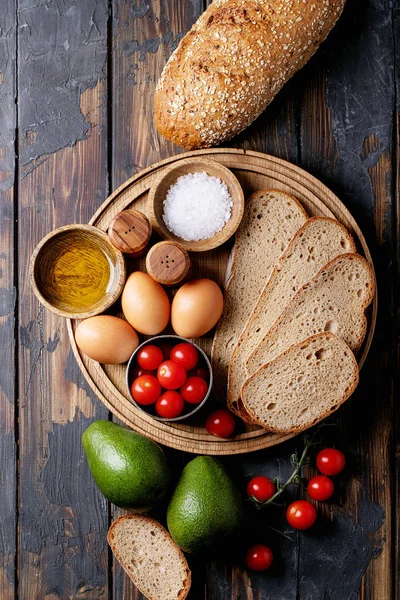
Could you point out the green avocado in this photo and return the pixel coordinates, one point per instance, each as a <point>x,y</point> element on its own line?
<point>205,508</point>
<point>130,470</point>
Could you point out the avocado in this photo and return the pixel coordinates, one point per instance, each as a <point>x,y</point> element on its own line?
<point>130,470</point>
<point>205,508</point>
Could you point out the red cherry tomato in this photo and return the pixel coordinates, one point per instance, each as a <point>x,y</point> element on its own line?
<point>185,355</point>
<point>330,461</point>
<point>262,488</point>
<point>259,558</point>
<point>171,375</point>
<point>138,371</point>
<point>166,350</point>
<point>301,514</point>
<point>149,357</point>
<point>194,390</point>
<point>170,405</point>
<point>320,488</point>
<point>220,423</point>
<point>146,389</point>
<point>200,372</point>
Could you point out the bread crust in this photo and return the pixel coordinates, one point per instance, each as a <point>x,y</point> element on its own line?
<point>233,62</point>
<point>139,517</point>
<point>310,423</point>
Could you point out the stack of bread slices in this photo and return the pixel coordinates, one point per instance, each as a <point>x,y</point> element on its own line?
<point>294,316</point>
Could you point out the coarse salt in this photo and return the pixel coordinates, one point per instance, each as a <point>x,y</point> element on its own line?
<point>197,206</point>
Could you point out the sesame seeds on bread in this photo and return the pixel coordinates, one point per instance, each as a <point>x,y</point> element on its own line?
<point>233,62</point>
<point>270,220</point>
<point>317,242</point>
<point>150,557</point>
<point>303,385</point>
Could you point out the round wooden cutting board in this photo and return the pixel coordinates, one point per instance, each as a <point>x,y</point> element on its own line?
<point>255,171</point>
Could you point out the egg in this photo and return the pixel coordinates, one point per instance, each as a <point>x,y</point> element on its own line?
<point>107,339</point>
<point>145,304</point>
<point>196,308</point>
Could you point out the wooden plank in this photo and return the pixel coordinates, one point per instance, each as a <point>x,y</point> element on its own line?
<point>63,157</point>
<point>346,137</point>
<point>8,447</point>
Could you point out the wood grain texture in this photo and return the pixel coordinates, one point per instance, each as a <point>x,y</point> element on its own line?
<point>168,263</point>
<point>8,267</point>
<point>63,518</point>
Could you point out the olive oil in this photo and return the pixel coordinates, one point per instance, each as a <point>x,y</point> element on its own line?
<point>78,271</point>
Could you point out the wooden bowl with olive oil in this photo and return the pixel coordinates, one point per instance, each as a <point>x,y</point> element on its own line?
<point>76,272</point>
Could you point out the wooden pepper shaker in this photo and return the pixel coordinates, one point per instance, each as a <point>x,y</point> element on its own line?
<point>130,232</point>
<point>168,263</point>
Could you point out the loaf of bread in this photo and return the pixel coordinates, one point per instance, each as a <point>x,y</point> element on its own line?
<point>150,557</point>
<point>316,243</point>
<point>334,301</point>
<point>270,220</point>
<point>233,62</point>
<point>303,385</point>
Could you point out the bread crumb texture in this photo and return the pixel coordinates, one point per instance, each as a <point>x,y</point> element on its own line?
<point>334,301</point>
<point>303,385</point>
<point>315,244</point>
<point>232,63</point>
<point>270,220</point>
<point>150,557</point>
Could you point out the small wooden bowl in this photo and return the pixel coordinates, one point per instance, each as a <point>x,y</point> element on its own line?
<point>173,340</point>
<point>169,176</point>
<point>43,257</point>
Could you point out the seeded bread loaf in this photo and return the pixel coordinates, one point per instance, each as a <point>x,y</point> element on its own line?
<point>303,385</point>
<point>316,243</point>
<point>150,557</point>
<point>334,301</point>
<point>233,62</point>
<point>270,220</point>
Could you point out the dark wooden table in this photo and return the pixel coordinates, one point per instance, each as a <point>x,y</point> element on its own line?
<point>76,85</point>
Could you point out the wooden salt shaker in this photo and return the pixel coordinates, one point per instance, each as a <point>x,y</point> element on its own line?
<point>130,232</point>
<point>168,263</point>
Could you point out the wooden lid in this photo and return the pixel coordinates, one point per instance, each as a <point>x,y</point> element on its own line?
<point>168,263</point>
<point>130,231</point>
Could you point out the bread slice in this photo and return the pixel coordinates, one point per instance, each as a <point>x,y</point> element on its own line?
<point>334,301</point>
<point>270,220</point>
<point>150,557</point>
<point>316,243</point>
<point>303,385</point>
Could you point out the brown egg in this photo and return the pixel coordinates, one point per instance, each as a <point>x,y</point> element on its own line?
<point>196,308</point>
<point>107,339</point>
<point>145,304</point>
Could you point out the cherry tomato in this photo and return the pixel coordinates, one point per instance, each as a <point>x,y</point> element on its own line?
<point>320,488</point>
<point>138,371</point>
<point>166,350</point>
<point>149,357</point>
<point>171,375</point>
<point>259,558</point>
<point>146,389</point>
<point>200,372</point>
<point>301,514</point>
<point>194,390</point>
<point>170,405</point>
<point>262,488</point>
<point>185,355</point>
<point>330,461</point>
<point>220,423</point>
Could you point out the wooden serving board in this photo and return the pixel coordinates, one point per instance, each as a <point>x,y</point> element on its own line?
<point>255,171</point>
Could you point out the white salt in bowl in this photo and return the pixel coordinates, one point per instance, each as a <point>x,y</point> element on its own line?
<point>169,176</point>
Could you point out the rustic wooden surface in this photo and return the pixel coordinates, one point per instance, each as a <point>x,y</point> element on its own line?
<point>76,82</point>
